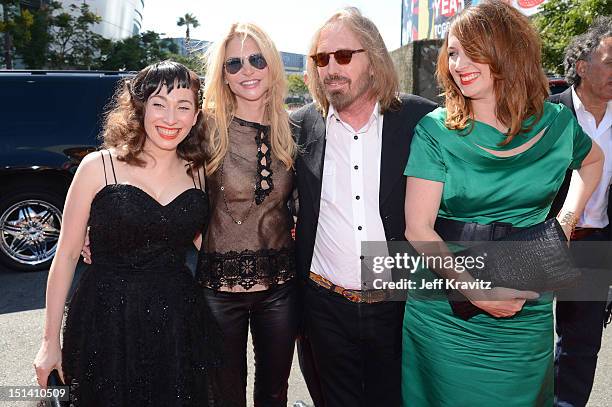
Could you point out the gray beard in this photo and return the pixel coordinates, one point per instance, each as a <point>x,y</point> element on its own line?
<point>341,100</point>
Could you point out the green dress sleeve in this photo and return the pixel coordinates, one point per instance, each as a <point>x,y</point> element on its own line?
<point>582,146</point>
<point>425,160</point>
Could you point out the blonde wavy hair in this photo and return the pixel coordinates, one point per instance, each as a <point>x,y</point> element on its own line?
<point>220,102</point>
<point>497,34</point>
<point>384,84</point>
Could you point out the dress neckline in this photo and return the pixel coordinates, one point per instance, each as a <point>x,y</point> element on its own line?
<point>468,146</point>
<point>487,136</point>
<point>146,194</point>
<point>247,123</point>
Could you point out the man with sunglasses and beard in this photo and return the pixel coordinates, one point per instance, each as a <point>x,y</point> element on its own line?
<point>355,139</point>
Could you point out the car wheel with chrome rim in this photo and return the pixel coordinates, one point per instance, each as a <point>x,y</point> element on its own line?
<point>30,224</point>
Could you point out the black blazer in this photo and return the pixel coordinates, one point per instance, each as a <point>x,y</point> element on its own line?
<point>566,99</point>
<point>309,130</point>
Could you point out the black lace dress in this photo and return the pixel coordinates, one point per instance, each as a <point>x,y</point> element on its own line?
<point>137,331</point>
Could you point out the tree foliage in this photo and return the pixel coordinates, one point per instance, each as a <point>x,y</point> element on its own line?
<point>296,85</point>
<point>193,61</point>
<point>35,53</point>
<point>15,28</point>
<point>559,21</point>
<point>74,45</point>
<point>138,51</point>
<point>188,20</point>
<point>61,37</point>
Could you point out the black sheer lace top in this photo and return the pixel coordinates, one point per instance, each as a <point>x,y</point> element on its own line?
<point>248,244</point>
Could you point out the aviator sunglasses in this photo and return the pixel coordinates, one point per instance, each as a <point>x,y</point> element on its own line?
<point>342,57</point>
<point>234,65</point>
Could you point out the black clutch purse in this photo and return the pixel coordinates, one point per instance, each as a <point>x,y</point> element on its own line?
<point>535,259</point>
<point>54,380</point>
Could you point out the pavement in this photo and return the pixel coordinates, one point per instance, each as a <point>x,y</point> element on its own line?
<point>22,316</point>
<point>22,303</point>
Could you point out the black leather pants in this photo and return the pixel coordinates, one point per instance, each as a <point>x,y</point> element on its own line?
<point>274,318</point>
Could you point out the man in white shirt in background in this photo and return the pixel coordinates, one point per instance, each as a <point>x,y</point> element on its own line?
<point>579,323</point>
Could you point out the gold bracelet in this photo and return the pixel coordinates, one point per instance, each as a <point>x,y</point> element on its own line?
<point>569,219</point>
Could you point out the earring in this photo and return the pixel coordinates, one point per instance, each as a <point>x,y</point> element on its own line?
<point>200,98</point>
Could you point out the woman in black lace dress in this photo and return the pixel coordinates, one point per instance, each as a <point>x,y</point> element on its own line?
<point>138,332</point>
<point>247,265</point>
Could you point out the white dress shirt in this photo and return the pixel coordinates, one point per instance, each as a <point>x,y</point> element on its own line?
<point>349,212</point>
<point>595,213</point>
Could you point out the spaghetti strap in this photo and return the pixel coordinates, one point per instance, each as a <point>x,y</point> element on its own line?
<point>193,176</point>
<point>199,179</point>
<point>104,166</point>
<point>112,165</point>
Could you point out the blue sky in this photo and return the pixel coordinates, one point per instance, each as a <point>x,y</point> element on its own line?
<point>290,23</point>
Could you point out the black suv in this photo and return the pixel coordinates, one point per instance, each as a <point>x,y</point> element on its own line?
<point>50,121</point>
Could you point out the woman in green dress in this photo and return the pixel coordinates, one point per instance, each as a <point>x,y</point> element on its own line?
<point>497,152</point>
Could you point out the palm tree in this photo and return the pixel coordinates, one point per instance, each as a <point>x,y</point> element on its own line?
<point>188,20</point>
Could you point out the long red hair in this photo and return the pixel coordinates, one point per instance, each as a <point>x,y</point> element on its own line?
<point>497,34</point>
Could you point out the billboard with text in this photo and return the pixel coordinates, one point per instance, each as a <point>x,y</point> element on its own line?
<point>429,19</point>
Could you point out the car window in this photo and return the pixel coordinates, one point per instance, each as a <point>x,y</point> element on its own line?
<point>52,111</point>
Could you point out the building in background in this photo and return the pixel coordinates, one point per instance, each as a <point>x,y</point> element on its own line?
<point>33,4</point>
<point>294,63</point>
<point>195,46</point>
<point>25,4</point>
<point>120,18</point>
<point>430,19</point>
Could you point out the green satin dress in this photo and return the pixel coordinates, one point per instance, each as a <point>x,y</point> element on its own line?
<point>486,361</point>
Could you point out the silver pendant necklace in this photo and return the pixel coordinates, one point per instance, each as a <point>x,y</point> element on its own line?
<point>227,209</point>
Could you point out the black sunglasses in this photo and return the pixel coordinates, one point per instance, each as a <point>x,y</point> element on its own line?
<point>342,56</point>
<point>234,65</point>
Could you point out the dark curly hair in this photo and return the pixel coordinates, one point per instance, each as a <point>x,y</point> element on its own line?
<point>124,121</point>
<point>582,47</point>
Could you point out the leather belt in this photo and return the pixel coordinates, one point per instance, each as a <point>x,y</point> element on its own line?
<point>456,231</point>
<point>581,233</point>
<point>358,296</point>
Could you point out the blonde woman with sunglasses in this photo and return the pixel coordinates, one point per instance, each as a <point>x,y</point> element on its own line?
<point>247,265</point>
